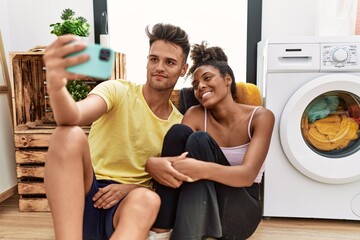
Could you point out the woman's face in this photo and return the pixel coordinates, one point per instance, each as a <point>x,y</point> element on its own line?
<point>209,85</point>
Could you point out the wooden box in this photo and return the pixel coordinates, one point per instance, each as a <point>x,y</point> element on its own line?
<point>33,123</point>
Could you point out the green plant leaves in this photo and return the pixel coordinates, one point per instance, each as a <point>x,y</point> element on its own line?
<point>67,14</point>
<point>71,25</point>
<point>78,89</point>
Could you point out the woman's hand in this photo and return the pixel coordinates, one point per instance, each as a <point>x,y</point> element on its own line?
<point>191,167</point>
<point>161,169</point>
<point>111,194</point>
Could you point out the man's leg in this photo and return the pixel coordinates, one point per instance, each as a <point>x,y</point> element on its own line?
<point>68,176</point>
<point>135,215</point>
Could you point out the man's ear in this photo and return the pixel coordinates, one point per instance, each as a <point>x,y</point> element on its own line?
<point>184,69</point>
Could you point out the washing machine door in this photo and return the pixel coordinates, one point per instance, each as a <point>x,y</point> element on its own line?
<point>319,129</point>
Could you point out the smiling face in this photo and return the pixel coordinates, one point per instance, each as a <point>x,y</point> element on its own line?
<point>165,65</point>
<point>209,85</point>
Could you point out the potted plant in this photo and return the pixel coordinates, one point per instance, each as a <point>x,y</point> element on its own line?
<point>77,26</point>
<point>78,89</point>
<point>71,25</point>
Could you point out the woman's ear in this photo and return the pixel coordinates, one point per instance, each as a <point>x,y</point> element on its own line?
<point>228,80</point>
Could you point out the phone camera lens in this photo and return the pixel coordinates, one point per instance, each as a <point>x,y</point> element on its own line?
<point>105,54</point>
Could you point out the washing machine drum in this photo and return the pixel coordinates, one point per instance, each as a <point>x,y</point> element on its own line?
<point>319,129</point>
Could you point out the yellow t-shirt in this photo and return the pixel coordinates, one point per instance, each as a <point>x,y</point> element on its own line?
<point>127,134</point>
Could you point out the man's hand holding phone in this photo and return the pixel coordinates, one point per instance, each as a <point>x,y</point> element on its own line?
<point>68,57</point>
<point>56,61</point>
<point>99,65</point>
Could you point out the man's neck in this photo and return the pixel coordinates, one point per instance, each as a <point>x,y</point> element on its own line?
<point>158,101</point>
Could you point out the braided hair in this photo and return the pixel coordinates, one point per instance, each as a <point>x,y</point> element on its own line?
<point>202,55</point>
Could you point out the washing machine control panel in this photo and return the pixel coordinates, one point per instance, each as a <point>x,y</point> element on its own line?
<point>340,56</point>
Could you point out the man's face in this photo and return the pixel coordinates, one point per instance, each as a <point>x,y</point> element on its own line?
<point>165,65</point>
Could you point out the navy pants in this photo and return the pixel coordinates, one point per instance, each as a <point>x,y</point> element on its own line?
<point>205,208</point>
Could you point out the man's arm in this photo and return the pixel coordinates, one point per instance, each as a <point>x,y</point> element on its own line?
<point>66,110</point>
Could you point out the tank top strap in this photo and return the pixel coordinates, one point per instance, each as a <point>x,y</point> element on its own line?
<point>205,119</point>
<point>251,117</point>
<point>249,124</point>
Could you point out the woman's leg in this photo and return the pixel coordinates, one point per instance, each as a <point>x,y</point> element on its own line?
<point>240,213</point>
<point>174,145</point>
<point>198,213</point>
<point>211,209</point>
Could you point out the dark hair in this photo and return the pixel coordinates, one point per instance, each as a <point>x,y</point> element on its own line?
<point>170,33</point>
<point>201,55</point>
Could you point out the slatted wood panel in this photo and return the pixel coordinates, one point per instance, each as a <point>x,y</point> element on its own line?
<point>33,205</point>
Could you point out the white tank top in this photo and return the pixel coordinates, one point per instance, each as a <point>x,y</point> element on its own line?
<point>235,155</point>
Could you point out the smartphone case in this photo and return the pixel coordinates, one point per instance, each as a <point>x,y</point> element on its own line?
<point>98,66</point>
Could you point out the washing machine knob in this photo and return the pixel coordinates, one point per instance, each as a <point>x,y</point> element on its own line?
<point>340,55</point>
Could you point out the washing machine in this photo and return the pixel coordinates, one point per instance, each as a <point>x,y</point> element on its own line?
<point>312,85</point>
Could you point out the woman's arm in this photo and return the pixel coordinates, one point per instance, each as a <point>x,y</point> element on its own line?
<point>236,176</point>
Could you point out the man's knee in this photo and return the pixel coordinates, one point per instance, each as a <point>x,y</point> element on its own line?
<point>66,140</point>
<point>145,197</point>
<point>68,134</point>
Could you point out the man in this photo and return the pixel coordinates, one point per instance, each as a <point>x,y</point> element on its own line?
<point>97,186</point>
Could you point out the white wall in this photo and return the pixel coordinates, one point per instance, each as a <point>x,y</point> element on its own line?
<point>308,17</point>
<point>29,20</point>
<point>5,26</point>
<point>7,148</point>
<point>221,25</point>
<point>289,18</point>
<point>24,23</point>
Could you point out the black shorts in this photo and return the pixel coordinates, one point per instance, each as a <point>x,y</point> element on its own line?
<point>98,223</point>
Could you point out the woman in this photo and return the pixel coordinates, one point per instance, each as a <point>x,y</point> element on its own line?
<point>221,146</point>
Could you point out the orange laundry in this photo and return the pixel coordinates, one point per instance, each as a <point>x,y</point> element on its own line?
<point>331,133</point>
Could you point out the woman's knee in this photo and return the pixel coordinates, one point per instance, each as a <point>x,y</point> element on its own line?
<point>202,146</point>
<point>175,140</point>
<point>198,140</point>
<point>178,132</point>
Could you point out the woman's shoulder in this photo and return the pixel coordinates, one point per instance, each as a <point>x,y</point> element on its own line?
<point>256,112</point>
<point>195,110</point>
<point>263,115</point>
<point>194,117</point>
<point>256,109</point>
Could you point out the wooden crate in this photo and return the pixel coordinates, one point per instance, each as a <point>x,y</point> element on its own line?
<point>175,97</point>
<point>34,123</point>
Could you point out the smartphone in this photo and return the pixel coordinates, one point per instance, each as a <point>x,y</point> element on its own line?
<point>99,65</point>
